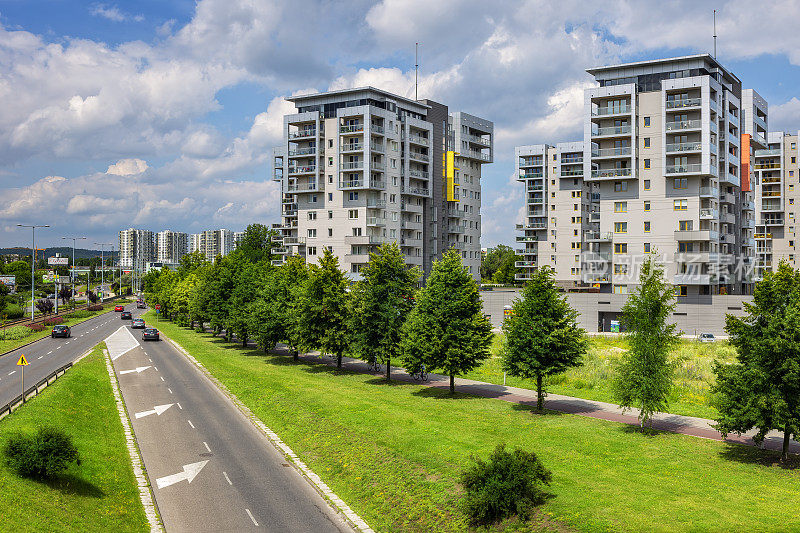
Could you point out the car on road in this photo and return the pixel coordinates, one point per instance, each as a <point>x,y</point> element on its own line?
<point>138,323</point>
<point>119,308</point>
<point>706,337</point>
<point>150,334</point>
<point>140,304</point>
<point>126,315</point>
<point>61,330</point>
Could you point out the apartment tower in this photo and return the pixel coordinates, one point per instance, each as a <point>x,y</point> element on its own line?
<point>136,248</point>
<point>171,246</point>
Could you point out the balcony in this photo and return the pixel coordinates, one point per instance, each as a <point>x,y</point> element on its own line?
<point>302,187</point>
<point>766,153</point>
<point>522,277</point>
<point>684,103</point>
<point>419,174</point>
<point>377,129</point>
<point>624,151</point>
<point>612,131</point>
<point>763,236</point>
<point>694,279</point>
<point>376,221</point>
<point>379,148</point>
<point>298,170</point>
<point>379,167</point>
<point>696,257</point>
<point>303,134</point>
<point>598,236</point>
<point>455,229</point>
<point>416,191</point>
<point>527,238</point>
<point>684,125</point>
<point>532,225</point>
<point>534,187</point>
<point>417,139</point>
<point>351,129</point>
<point>303,151</point>
<point>597,257</point>
<point>571,173</point>
<point>352,165</point>
<point>691,168</point>
<point>611,173</point>
<point>376,204</point>
<point>696,235</point>
<point>352,147</point>
<point>524,264</point>
<point>474,154</point>
<point>531,175</point>
<point>596,278</point>
<point>418,156</point>
<point>477,139</point>
<point>605,111</point>
<point>361,184</point>
<point>709,192</point>
<point>707,214</point>
<point>365,239</point>
<point>684,147</point>
<point>767,166</point>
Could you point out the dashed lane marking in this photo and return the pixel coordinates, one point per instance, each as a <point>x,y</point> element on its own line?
<point>179,406</point>
<point>206,445</point>
<point>251,517</point>
<point>227,478</point>
<point>190,423</point>
<point>12,372</point>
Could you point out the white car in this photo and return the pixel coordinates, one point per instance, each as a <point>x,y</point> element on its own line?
<point>706,337</point>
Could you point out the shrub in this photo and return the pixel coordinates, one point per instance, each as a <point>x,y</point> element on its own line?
<point>53,321</point>
<point>15,333</point>
<point>95,307</point>
<point>80,313</point>
<point>35,327</point>
<point>43,455</point>
<point>13,312</point>
<point>508,483</point>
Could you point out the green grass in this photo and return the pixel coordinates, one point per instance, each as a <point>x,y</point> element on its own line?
<point>8,345</point>
<point>592,381</point>
<point>101,493</point>
<point>394,452</point>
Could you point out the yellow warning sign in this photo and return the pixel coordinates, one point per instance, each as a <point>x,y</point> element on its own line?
<point>22,361</point>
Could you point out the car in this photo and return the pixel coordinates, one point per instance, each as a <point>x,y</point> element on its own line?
<point>706,337</point>
<point>126,315</point>
<point>140,304</point>
<point>138,323</point>
<point>119,308</point>
<point>150,334</point>
<point>51,296</point>
<point>61,331</point>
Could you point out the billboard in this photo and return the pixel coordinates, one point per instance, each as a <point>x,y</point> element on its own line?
<point>58,261</point>
<point>9,281</point>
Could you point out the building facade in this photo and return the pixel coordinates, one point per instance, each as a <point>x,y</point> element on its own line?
<point>212,243</point>
<point>171,246</point>
<point>361,167</point>
<point>663,168</point>
<point>136,248</point>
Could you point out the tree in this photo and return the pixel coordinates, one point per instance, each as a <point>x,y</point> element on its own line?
<point>542,338</point>
<point>381,303</point>
<point>762,389</point>
<point>257,242</point>
<point>493,260</point>
<point>243,293</point>
<point>322,312</point>
<point>447,329</point>
<point>507,271</point>
<point>45,306</point>
<point>4,300</point>
<point>644,378</point>
<point>289,286</point>
<point>65,294</point>
<point>92,297</point>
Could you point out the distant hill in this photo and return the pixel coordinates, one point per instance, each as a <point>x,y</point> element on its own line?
<point>80,253</point>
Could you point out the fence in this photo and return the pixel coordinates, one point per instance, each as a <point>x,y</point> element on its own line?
<point>33,391</point>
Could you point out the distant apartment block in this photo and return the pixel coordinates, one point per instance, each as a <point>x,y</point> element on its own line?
<point>664,166</point>
<point>361,167</point>
<point>238,236</point>
<point>136,248</point>
<point>171,246</point>
<point>212,243</point>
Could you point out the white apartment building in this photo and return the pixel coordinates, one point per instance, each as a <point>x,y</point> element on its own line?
<point>237,238</point>
<point>361,167</point>
<point>171,246</point>
<point>212,243</point>
<point>136,248</point>
<point>659,170</point>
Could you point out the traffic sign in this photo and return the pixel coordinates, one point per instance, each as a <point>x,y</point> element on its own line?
<point>22,361</point>
<point>158,307</point>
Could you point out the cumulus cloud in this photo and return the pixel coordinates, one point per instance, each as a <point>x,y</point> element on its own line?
<point>127,167</point>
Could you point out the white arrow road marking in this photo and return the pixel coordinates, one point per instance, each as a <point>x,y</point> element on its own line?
<point>138,370</point>
<point>188,474</point>
<point>155,411</point>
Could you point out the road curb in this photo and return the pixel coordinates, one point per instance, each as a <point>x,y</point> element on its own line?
<point>320,486</point>
<point>145,490</point>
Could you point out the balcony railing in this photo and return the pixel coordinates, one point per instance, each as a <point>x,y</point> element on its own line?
<point>709,213</point>
<point>611,152</point>
<point>419,174</point>
<point>684,147</point>
<point>570,173</point>
<point>302,169</point>
<point>683,125</point>
<point>531,175</point>
<point>376,221</point>
<point>376,204</point>
<point>692,168</point>
<point>376,129</point>
<point>523,264</point>
<point>476,139</point>
<point>417,139</point>
<point>684,102</point>
<point>474,154</point>
<point>612,130</point>
<point>527,238</point>
<point>418,156</point>
<point>351,128</point>
<point>572,160</point>
<point>352,165</point>
<point>770,152</point>
<point>415,190</point>
<point>303,151</point>
<point>764,166</point>
<point>302,187</point>
<point>378,166</point>
<point>611,110</point>
<point>300,134</point>
<point>611,173</point>
<point>352,147</point>
<point>361,184</point>
<point>598,236</point>
<point>709,191</point>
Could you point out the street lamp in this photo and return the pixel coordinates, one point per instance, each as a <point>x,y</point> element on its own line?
<point>72,272</point>
<point>102,267</point>
<point>33,256</point>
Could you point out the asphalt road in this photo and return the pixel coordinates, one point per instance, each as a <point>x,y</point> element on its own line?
<point>48,354</point>
<point>211,469</point>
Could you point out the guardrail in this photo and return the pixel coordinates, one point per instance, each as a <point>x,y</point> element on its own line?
<point>33,391</point>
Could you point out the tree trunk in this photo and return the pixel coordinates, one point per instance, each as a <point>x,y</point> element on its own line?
<point>539,393</point>
<point>295,354</point>
<point>785,450</point>
<point>389,368</point>
<point>244,342</point>
<point>452,384</point>
<point>339,360</point>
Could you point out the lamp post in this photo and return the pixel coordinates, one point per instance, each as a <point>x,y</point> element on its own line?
<point>72,271</point>
<point>102,267</point>
<point>33,257</point>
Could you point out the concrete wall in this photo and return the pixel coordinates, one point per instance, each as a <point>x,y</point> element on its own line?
<point>693,314</point>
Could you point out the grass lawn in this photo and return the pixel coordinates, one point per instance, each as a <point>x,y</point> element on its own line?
<point>592,381</point>
<point>8,345</point>
<point>394,452</point>
<point>101,493</point>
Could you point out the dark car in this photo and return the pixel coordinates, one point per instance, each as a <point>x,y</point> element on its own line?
<point>150,334</point>
<point>119,308</point>
<point>138,323</point>
<point>126,315</point>
<point>61,331</point>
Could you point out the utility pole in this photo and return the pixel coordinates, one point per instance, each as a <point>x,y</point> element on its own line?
<point>715,34</point>
<point>416,71</point>
<point>102,265</point>
<point>72,271</point>
<point>33,258</point>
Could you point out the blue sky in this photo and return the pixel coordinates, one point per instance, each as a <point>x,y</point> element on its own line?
<point>162,114</point>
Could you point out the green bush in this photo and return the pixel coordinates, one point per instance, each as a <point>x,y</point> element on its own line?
<point>15,333</point>
<point>508,483</point>
<point>44,455</point>
<point>94,307</point>
<point>80,313</point>
<point>13,312</point>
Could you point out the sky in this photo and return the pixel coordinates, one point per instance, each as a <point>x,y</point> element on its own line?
<point>161,114</point>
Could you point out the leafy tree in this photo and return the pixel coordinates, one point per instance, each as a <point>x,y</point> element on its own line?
<point>381,303</point>
<point>285,302</point>
<point>644,378</point>
<point>190,262</point>
<point>506,273</point>
<point>92,274</point>
<point>243,293</point>
<point>257,242</point>
<point>494,259</point>
<point>45,306</point>
<point>762,389</point>
<point>322,310</point>
<point>179,299</point>
<point>91,296</point>
<point>4,300</point>
<point>543,337</point>
<point>447,329</point>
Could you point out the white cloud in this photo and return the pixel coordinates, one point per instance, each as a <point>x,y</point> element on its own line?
<point>127,167</point>
<point>113,13</point>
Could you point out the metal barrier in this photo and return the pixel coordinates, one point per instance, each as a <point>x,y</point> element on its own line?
<point>33,391</point>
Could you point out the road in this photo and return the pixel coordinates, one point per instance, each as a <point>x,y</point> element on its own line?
<point>210,468</point>
<point>48,354</point>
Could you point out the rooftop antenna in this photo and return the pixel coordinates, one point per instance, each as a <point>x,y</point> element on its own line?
<point>715,34</point>
<point>416,70</point>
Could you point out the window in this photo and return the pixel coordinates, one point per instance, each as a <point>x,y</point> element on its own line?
<point>312,215</point>
<point>684,225</point>
<point>646,122</point>
<point>647,142</point>
<point>330,232</point>
<point>574,207</point>
<point>791,201</point>
<point>330,161</point>
<point>576,245</point>
<point>646,163</point>
<point>356,232</point>
<point>681,290</point>
<point>680,205</point>
<point>312,232</point>
<point>330,178</point>
<point>620,186</point>
<point>647,185</point>
<point>353,195</point>
<point>620,248</point>
<point>680,183</point>
<point>647,226</point>
<point>685,247</point>
<point>647,205</point>
<point>794,145</point>
<point>330,196</point>
<point>330,214</point>
<point>794,159</point>
<point>313,198</point>
<point>620,289</point>
<point>330,143</point>
<point>620,227</point>
<point>620,207</point>
<point>647,247</point>
<point>352,214</point>
<point>620,269</point>
<point>311,250</point>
